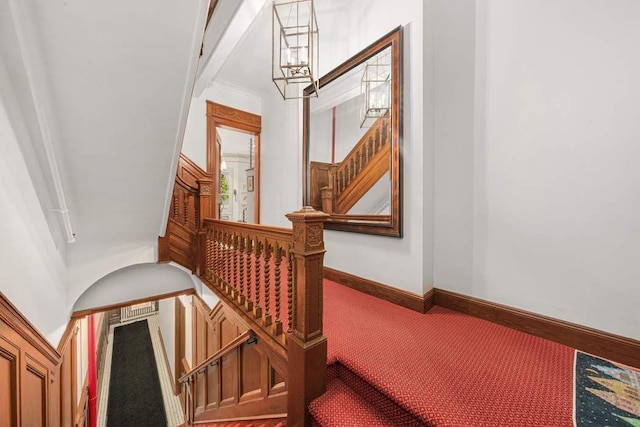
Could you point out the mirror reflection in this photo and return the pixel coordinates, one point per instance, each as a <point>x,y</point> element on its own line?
<point>352,131</point>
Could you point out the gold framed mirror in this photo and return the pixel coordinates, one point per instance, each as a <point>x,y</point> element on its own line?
<point>351,141</point>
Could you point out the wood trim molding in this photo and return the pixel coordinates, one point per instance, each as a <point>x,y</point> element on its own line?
<point>396,296</point>
<point>166,361</point>
<point>219,115</point>
<point>233,117</point>
<point>594,341</point>
<point>600,343</point>
<point>88,311</point>
<point>69,333</point>
<point>10,315</point>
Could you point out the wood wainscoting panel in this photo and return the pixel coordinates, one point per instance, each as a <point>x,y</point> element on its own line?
<point>396,296</point>
<point>239,385</point>
<point>600,343</point>
<point>9,355</point>
<point>29,372</point>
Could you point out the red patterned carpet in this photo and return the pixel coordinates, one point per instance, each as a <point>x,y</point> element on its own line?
<point>392,366</point>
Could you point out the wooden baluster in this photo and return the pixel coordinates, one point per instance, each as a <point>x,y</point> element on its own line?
<point>289,290</point>
<point>223,267</point>
<point>225,259</point>
<point>277,325</point>
<point>174,210</point>
<point>229,262</point>
<point>385,132</point>
<point>249,301</point>
<point>267,282</point>
<point>209,256</point>
<point>257,310</point>
<point>216,257</point>
<point>371,148</point>
<point>378,140</point>
<point>306,344</point>
<point>242,249</point>
<point>236,266</point>
<point>196,210</point>
<point>185,207</point>
<point>352,174</point>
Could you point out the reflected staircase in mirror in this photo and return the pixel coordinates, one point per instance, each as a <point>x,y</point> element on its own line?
<point>339,186</point>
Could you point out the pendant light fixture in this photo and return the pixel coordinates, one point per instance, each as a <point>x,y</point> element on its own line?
<point>376,89</point>
<point>294,47</point>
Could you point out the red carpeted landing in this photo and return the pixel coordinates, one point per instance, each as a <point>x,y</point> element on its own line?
<point>393,366</point>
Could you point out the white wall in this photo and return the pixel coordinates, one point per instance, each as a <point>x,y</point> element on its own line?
<point>556,187</point>
<point>454,32</point>
<point>32,272</point>
<point>350,27</point>
<point>280,159</point>
<point>166,320</point>
<point>371,256</point>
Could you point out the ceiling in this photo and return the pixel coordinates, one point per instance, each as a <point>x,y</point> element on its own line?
<point>103,88</point>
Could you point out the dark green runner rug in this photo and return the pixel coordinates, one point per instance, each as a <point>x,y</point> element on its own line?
<point>135,396</point>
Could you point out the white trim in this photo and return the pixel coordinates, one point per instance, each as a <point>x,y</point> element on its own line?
<point>239,90</point>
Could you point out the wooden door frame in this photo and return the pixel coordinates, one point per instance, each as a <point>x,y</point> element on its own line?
<point>219,115</point>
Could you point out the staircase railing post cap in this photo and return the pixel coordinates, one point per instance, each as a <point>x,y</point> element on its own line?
<point>307,213</point>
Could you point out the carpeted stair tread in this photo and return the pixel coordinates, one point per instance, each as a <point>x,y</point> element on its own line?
<point>447,368</point>
<point>236,424</point>
<point>340,406</point>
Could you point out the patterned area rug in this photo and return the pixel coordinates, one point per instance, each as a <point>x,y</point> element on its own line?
<point>606,393</point>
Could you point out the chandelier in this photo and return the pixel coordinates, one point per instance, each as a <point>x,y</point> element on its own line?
<point>295,47</point>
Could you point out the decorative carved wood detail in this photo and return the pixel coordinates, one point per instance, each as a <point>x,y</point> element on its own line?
<point>229,115</point>
<point>307,346</point>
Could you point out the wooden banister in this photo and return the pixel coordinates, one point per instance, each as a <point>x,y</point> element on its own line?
<point>366,149</point>
<point>238,341</point>
<point>269,276</point>
<point>367,177</point>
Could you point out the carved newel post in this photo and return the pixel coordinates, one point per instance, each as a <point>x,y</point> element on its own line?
<point>205,209</point>
<point>307,346</point>
<point>206,205</point>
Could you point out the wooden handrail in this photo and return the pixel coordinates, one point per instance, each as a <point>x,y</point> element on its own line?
<point>185,185</point>
<point>374,140</point>
<point>367,177</point>
<point>238,341</point>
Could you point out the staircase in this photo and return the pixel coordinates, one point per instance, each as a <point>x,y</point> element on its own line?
<point>352,401</point>
<point>336,188</point>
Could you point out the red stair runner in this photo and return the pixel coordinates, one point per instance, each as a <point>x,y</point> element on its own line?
<point>442,368</point>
